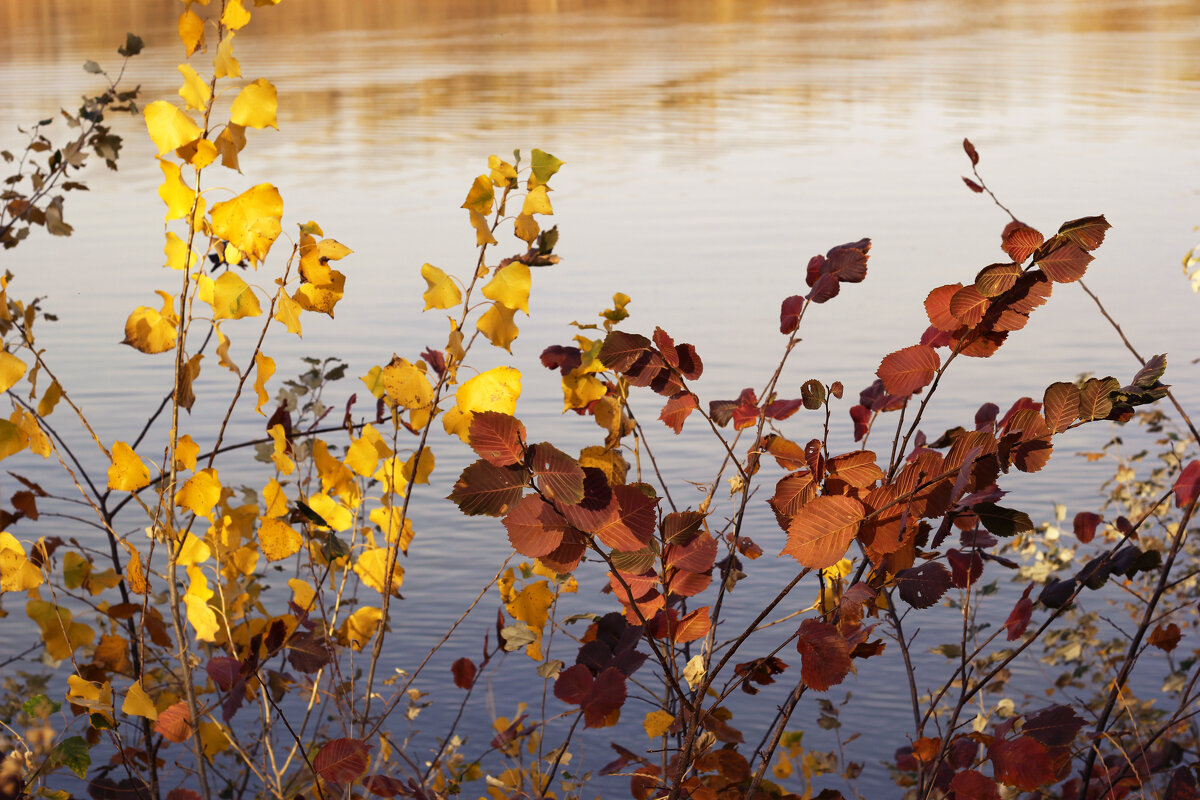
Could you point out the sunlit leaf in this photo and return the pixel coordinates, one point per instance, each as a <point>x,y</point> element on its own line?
<point>169,126</point>
<point>509,286</point>
<point>481,196</point>
<point>497,438</point>
<point>1087,232</point>
<point>250,221</point>
<point>937,307</point>
<point>498,326</point>
<point>255,106</point>
<point>17,573</point>
<point>235,15</point>
<point>371,566</point>
<point>264,367</point>
<point>137,703</point>
<point>230,142</point>
<point>1060,406</point>
<point>537,202</point>
<point>277,540</point>
<point>443,291</point>
<point>1020,241</point>
<point>544,166</point>
<point>494,390</point>
<point>559,476</point>
<point>1065,262</point>
<point>177,195</point>
<point>152,331</point>
<point>200,493</point>
<point>534,527</point>
<point>195,90</point>
<point>127,472</point>
<point>822,529</point>
<point>905,371</point>
<point>191,31</point>
<point>230,296</point>
<point>483,488</point>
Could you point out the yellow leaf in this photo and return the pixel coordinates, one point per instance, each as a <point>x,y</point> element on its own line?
<point>494,390</point>
<point>60,635</point>
<point>251,221</point>
<point>423,471</point>
<point>200,493</point>
<point>95,697</point>
<point>11,370</point>
<point>359,627</point>
<point>230,142</point>
<point>255,106</point>
<point>388,520</point>
<point>191,31</point>
<point>152,331</point>
<point>483,231</point>
<point>195,90</point>
<point>371,566</point>
<point>657,723</point>
<point>224,64</point>
<point>193,551</point>
<point>289,313</point>
<point>537,202</point>
<point>336,514</point>
<point>213,738</point>
<point>374,382</point>
<point>12,439</point>
<point>581,390</point>
<point>443,291</point>
<point>406,385</point>
<point>526,227</point>
<point>138,703</point>
<point>510,286</point>
<point>49,400</point>
<point>17,572</point>
<point>169,127</point>
<point>332,249</point>
<point>543,166</point>
<point>481,196</point>
<point>275,502</point>
<point>178,196</point>
<point>236,16</point>
<point>303,594</point>
<point>321,297</point>
<point>502,171</point>
<point>498,326</point>
<point>390,475</point>
<point>199,153</point>
<point>362,457</point>
<point>176,251</point>
<point>695,670</point>
<point>279,455</point>
<point>336,477</point>
<point>277,540</point>
<point>532,606</point>
<point>202,618</point>
<point>266,368</point>
<point>223,351</point>
<point>186,451</point>
<point>31,432</point>
<point>230,296</point>
<point>127,472</point>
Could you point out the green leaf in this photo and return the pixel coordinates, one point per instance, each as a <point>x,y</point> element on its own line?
<point>40,706</point>
<point>133,45</point>
<point>73,753</point>
<point>93,67</point>
<point>544,166</point>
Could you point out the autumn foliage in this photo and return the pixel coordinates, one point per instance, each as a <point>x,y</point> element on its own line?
<point>232,646</point>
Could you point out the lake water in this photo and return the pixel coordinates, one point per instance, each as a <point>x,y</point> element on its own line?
<point>712,147</point>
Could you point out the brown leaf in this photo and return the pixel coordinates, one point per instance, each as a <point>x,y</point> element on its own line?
<point>905,371</point>
<point>824,655</point>
<point>821,531</point>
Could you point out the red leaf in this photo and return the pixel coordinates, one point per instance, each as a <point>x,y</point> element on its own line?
<point>782,409</point>
<point>688,361</point>
<point>1054,726</point>
<point>563,359</point>
<point>384,786</point>
<point>973,785</point>
<point>559,476</point>
<point>173,723</point>
<point>342,760</point>
<point>622,350</point>
<point>498,438</point>
<point>923,586</point>
<point>791,493</point>
<point>937,307</point>
<point>534,527</point>
<point>566,557</point>
<point>666,346</point>
<point>573,684</point>
<point>224,671</point>
<point>824,655</point>
<point>789,313</point>
<point>178,793</point>
<point>483,488</point>
<point>1187,485</point>
<point>1085,526</point>
<point>905,371</point>
<point>1165,637</point>
<point>1060,405</point>
<point>1094,398</point>
<point>786,453</point>
<point>968,306</point>
<point>692,627</point>
<point>1065,263</point>
<point>464,673</point>
<point>630,522</point>
<point>604,699</point>
<point>677,410</point>
<point>1018,618</point>
<point>965,567</point>
<point>822,530</point>
<point>1019,241</point>
<point>848,262</point>
<point>972,185</point>
<point>696,556</point>
<point>971,153</point>
<point>826,288</point>
<point>861,416</point>
<point>1087,232</point>
<point>1022,762</point>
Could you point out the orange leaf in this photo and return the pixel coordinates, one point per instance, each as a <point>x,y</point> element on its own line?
<point>822,530</point>
<point>905,371</point>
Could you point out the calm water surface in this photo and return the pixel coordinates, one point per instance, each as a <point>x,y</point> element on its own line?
<point>711,148</point>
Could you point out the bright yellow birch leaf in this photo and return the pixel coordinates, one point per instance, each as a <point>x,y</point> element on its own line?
<point>11,370</point>
<point>359,627</point>
<point>406,385</point>
<point>224,64</point>
<point>176,252</point>
<point>370,434</point>
<point>12,439</point>
<point>236,16</point>
<point>279,455</point>
<point>288,313</point>
<point>332,249</point>
<point>266,368</point>
<point>443,291</point>
<point>544,166</point>
<point>193,551</point>
<point>303,594</point>
<point>373,380</point>
<point>251,221</point>
<point>230,142</point>
<point>195,90</point>
<point>127,473</point>
<point>510,286</point>
<point>199,153</point>
<point>202,618</point>
<point>336,514</point>
<point>60,635</point>
<point>371,566</point>
<point>483,231</point>
<point>17,572</point>
<point>390,476</point>
<point>322,296</point>
<point>151,331</point>
<point>336,477</point>
<point>526,227</point>
<point>498,326</point>
<point>176,194</point>
<point>502,171</point>
<point>277,540</point>
<point>362,457</point>
<point>255,106</point>
<point>138,703</point>
<point>135,573</point>
<point>186,451</point>
<point>388,520</point>
<point>581,390</point>
<point>532,606</point>
<point>200,493</point>
<point>191,31</point>
<point>657,723</point>
<point>95,697</point>
<point>423,470</point>
<point>169,127</point>
<point>275,502</point>
<point>29,429</point>
<point>230,296</point>
<point>49,400</point>
<point>537,202</point>
<point>481,196</point>
<point>494,390</point>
